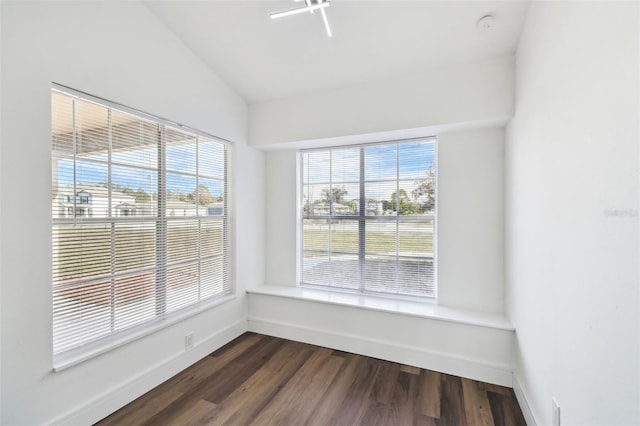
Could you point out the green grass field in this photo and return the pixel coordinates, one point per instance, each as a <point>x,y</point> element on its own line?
<point>414,238</point>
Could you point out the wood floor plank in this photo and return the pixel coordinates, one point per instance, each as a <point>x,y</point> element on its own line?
<point>422,420</point>
<point>497,410</point>
<point>516,412</point>
<point>228,380</point>
<point>196,412</point>
<point>476,404</point>
<point>384,385</point>
<point>376,414</point>
<point>188,380</point>
<point>248,400</point>
<point>237,345</point>
<point>340,353</point>
<point>402,408</point>
<point>490,387</point>
<point>503,410</point>
<point>295,402</point>
<point>410,369</point>
<point>324,413</point>
<point>145,406</point>
<point>259,352</point>
<point>451,402</point>
<point>265,380</point>
<point>356,400</point>
<point>428,398</point>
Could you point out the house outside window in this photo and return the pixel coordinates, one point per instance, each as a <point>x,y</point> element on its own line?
<point>125,209</point>
<point>369,218</point>
<point>83,197</point>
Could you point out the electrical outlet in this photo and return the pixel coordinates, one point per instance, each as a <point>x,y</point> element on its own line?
<point>188,341</point>
<point>555,412</point>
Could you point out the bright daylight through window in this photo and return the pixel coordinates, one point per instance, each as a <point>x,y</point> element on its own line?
<point>140,227</point>
<point>369,218</point>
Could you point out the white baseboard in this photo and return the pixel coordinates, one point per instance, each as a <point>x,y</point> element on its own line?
<point>419,357</point>
<point>100,407</point>
<point>522,401</point>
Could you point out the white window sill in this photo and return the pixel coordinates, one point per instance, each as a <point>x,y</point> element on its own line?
<point>376,303</point>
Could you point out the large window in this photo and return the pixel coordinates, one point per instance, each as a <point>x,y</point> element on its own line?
<point>369,218</point>
<point>140,229</point>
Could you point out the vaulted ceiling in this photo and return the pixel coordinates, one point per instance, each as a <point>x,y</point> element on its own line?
<point>264,59</point>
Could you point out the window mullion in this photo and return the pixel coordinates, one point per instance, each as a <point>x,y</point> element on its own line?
<point>161,228</point>
<point>362,225</point>
<point>199,236</point>
<point>225,223</point>
<point>112,291</point>
<point>75,153</point>
<point>330,220</point>
<point>396,266</point>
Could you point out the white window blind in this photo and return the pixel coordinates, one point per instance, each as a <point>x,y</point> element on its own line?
<point>369,218</point>
<point>139,220</point>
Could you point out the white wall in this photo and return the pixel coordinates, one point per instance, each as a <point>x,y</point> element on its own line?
<point>462,93</point>
<point>119,51</point>
<point>471,220</point>
<point>572,212</point>
<point>470,194</point>
<point>280,218</point>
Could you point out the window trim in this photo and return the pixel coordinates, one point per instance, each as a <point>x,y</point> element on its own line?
<point>73,356</point>
<point>300,220</point>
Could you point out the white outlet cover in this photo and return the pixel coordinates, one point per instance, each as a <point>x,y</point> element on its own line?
<point>188,341</point>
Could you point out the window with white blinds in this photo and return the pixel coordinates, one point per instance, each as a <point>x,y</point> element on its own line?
<point>140,226</point>
<point>369,218</point>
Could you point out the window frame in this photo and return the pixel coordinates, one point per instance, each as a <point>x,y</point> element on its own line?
<point>300,217</point>
<point>65,358</point>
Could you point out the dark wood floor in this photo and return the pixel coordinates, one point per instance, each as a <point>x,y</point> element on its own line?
<point>264,380</point>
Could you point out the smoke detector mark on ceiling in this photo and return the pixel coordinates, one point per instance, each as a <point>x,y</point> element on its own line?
<point>486,23</point>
